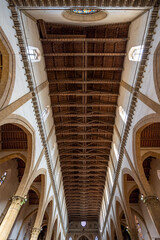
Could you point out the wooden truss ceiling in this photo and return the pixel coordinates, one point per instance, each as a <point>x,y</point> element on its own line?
<point>13,137</point>
<point>93,3</point>
<point>150,136</point>
<point>84,67</point>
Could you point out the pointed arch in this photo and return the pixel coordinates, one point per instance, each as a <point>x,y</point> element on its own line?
<point>7,69</point>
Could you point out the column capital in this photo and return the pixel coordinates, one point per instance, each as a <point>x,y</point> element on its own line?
<point>150,200</point>
<point>35,232</point>
<point>18,200</point>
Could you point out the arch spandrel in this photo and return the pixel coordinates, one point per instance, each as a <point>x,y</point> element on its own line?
<point>156,70</point>
<point>7,70</point>
<point>139,127</point>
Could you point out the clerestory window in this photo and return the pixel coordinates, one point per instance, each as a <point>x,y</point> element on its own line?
<point>33,54</point>
<point>135,53</point>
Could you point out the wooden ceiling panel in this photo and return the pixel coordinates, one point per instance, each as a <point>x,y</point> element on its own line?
<point>12,137</point>
<point>84,67</point>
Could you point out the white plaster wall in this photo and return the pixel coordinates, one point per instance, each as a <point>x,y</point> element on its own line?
<point>8,189</point>
<point>7,25</point>
<point>142,110</point>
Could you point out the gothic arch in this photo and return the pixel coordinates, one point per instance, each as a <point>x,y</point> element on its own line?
<point>7,75</point>
<point>139,127</point>
<point>50,218</point>
<point>113,230</point>
<point>156,70</point>
<point>54,230</point>
<point>83,238</point>
<point>126,171</point>
<point>29,130</point>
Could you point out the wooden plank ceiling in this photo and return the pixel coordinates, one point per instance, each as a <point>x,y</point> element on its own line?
<point>84,66</point>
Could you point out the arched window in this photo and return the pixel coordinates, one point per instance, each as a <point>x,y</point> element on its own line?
<point>139,229</point>
<point>123,114</point>
<point>2,178</point>
<point>70,238</point>
<point>110,175</point>
<point>45,113</point>
<point>115,151</point>
<point>135,53</point>
<point>33,54</point>
<point>83,223</point>
<point>96,238</point>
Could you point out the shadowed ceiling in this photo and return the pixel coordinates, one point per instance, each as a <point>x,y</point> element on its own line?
<point>84,66</point>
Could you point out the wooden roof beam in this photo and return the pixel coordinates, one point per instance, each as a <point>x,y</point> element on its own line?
<point>78,147</point>
<point>84,69</point>
<point>87,115</point>
<point>84,154</point>
<point>93,54</point>
<point>81,140</point>
<point>79,93</point>
<point>80,81</point>
<point>75,39</point>
<point>77,104</point>
<point>42,27</point>
<point>78,132</point>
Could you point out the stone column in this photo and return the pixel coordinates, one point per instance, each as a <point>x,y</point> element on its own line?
<point>153,205</point>
<point>133,232</point>
<point>35,233</point>
<point>11,215</point>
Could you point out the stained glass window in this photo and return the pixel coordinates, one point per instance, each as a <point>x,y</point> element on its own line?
<point>2,178</point>
<point>139,228</point>
<point>84,11</point>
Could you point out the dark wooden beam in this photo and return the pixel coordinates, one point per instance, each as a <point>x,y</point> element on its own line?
<point>75,39</point>
<point>92,114</point>
<point>78,104</point>
<point>93,54</point>
<point>80,81</point>
<point>42,27</point>
<point>81,93</point>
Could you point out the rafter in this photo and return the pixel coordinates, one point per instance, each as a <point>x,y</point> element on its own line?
<point>84,39</point>
<point>80,93</point>
<point>89,114</point>
<point>80,81</point>
<point>84,68</point>
<point>81,55</point>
